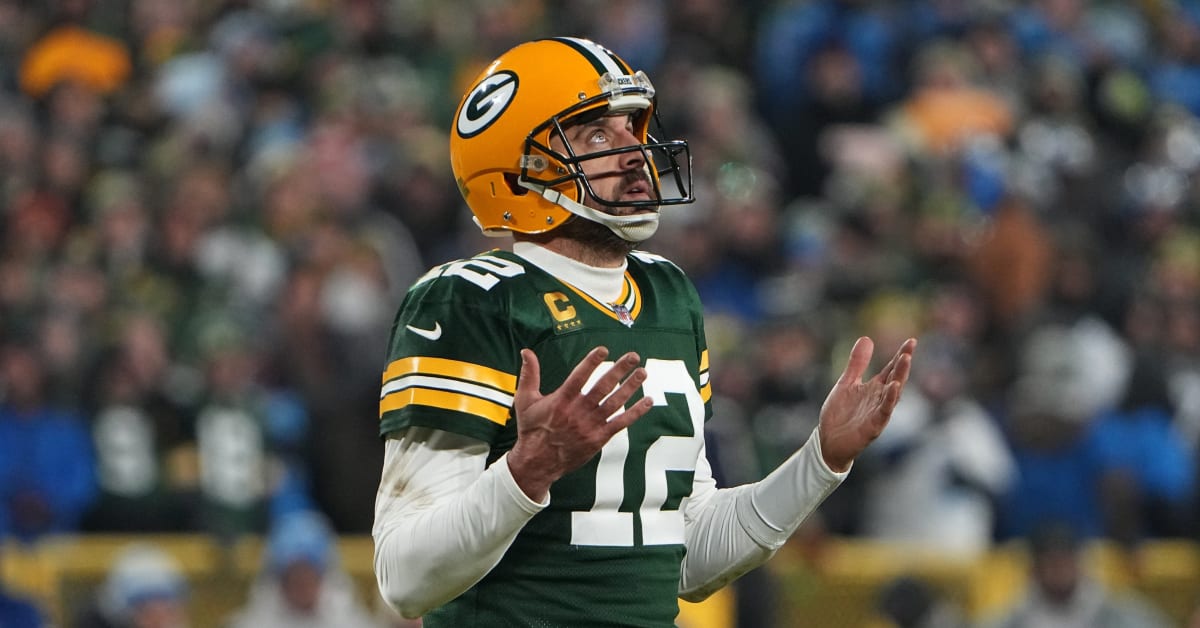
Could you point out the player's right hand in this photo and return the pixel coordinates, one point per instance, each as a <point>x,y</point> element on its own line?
<point>557,433</point>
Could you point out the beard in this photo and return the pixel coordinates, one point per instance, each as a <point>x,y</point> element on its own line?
<point>595,236</point>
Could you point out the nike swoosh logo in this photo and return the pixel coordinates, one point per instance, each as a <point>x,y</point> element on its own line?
<point>430,334</point>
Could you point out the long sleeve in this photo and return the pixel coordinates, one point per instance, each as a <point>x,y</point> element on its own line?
<point>731,531</point>
<point>442,520</point>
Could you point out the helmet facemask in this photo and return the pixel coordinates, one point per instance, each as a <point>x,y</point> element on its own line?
<point>668,162</point>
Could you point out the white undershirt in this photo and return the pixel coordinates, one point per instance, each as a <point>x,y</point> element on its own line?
<point>443,518</point>
<point>602,284</point>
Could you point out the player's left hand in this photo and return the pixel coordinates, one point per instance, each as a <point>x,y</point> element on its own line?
<point>855,412</point>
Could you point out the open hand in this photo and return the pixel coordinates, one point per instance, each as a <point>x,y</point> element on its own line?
<point>559,432</point>
<point>855,412</point>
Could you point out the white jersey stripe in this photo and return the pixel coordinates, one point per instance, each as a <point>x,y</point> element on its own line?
<point>442,383</point>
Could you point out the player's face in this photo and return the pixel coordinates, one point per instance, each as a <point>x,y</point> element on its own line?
<point>615,178</point>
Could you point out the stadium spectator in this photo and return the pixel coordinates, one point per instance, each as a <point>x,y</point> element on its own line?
<point>301,583</point>
<point>791,35</point>
<point>909,602</point>
<point>948,106</point>
<point>70,54</point>
<point>1062,593</point>
<point>142,432</point>
<point>249,439</point>
<point>1147,470</point>
<point>1049,420</point>
<point>1174,76</point>
<point>941,466</point>
<point>1092,34</point>
<point>47,474</point>
<point>144,588</point>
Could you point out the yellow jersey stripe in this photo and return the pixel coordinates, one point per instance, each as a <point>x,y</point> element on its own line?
<point>596,304</point>
<point>636,295</point>
<point>445,367</point>
<point>625,289</point>
<point>704,360</point>
<point>628,291</point>
<point>444,400</point>
<point>706,392</point>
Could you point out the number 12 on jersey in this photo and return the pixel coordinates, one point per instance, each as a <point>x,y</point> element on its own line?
<point>604,524</point>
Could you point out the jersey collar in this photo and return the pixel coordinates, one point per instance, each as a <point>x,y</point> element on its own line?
<point>605,285</point>
<point>610,290</point>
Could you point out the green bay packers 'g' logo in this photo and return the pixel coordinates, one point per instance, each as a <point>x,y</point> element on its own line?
<point>485,103</point>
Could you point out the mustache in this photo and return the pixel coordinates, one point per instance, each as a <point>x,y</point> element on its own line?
<point>635,177</point>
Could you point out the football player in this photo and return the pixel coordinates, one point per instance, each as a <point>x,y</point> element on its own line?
<point>544,408</point>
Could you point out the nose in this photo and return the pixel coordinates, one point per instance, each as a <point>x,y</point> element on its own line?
<point>635,158</point>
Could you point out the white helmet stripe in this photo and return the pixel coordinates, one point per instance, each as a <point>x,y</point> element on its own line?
<point>598,54</point>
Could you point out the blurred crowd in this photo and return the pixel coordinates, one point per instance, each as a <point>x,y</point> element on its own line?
<point>210,209</point>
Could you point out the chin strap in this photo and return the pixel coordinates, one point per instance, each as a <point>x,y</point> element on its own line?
<point>635,228</point>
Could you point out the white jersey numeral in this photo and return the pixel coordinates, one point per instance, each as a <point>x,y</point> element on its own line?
<point>482,270</point>
<point>604,524</point>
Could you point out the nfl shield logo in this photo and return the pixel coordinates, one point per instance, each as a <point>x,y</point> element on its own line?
<point>623,315</point>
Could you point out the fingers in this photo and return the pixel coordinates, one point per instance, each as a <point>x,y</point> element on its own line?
<point>617,399</point>
<point>612,390</point>
<point>529,383</point>
<point>887,374</point>
<point>607,382</point>
<point>626,418</point>
<point>903,366</point>
<point>892,389</point>
<point>582,371</point>
<point>891,397</point>
<point>860,357</point>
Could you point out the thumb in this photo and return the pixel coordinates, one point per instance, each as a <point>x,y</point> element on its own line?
<point>860,358</point>
<point>530,382</point>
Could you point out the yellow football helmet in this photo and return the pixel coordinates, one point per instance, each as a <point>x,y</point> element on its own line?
<point>500,146</point>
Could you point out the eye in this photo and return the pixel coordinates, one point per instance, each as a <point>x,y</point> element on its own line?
<point>597,136</point>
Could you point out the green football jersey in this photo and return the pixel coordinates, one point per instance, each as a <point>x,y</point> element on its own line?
<point>608,548</point>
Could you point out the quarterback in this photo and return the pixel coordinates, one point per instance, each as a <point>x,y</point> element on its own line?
<point>543,408</point>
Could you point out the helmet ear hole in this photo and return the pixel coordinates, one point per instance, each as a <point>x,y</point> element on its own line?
<point>510,179</point>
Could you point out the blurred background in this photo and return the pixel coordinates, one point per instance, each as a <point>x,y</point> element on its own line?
<point>210,210</point>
